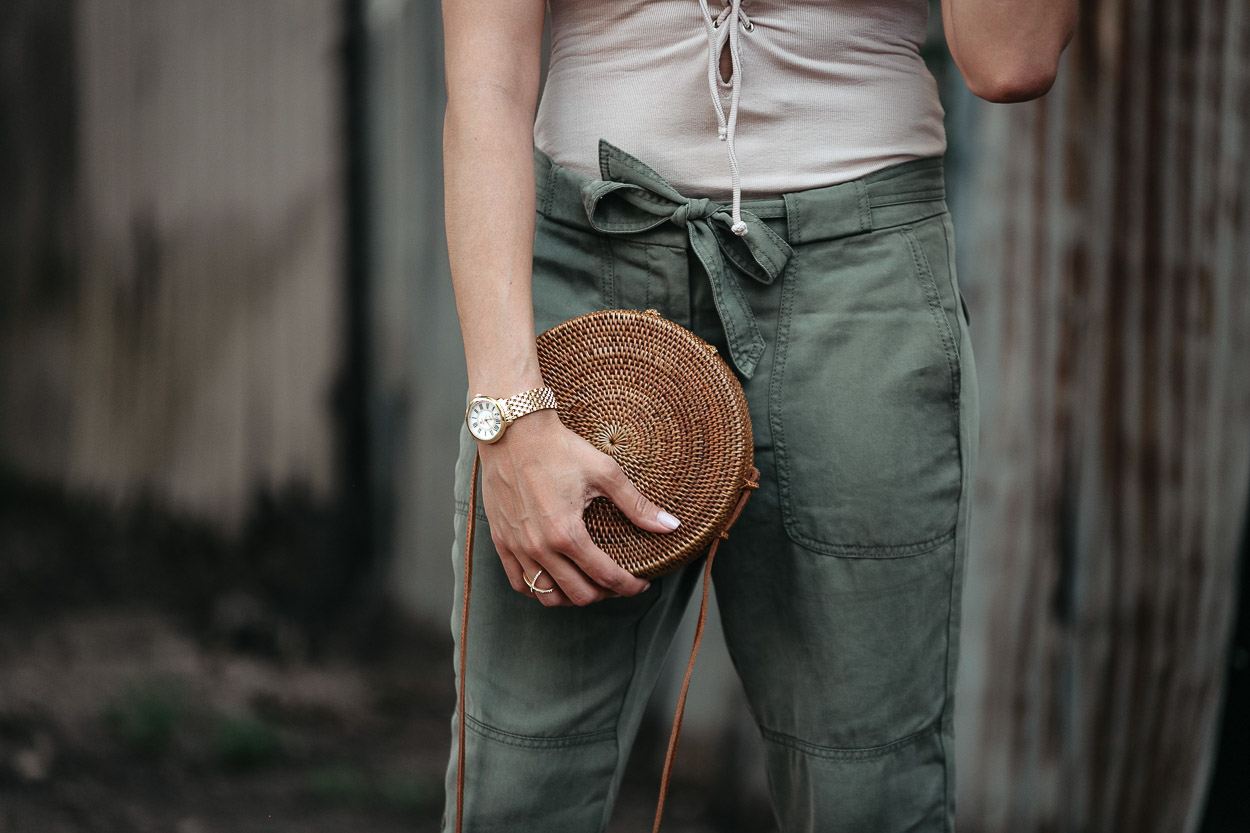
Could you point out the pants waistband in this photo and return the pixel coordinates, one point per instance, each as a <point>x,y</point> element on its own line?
<point>903,192</point>
<point>633,199</point>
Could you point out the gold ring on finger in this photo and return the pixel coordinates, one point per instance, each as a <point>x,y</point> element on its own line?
<point>531,582</point>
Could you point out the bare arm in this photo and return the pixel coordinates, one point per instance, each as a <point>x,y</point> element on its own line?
<point>537,479</point>
<point>492,55</point>
<point>1008,50</point>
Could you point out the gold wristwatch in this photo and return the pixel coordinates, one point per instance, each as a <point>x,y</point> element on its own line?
<point>487,418</point>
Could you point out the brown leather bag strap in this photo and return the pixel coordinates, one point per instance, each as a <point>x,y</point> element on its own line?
<point>752,482</point>
<point>464,631</point>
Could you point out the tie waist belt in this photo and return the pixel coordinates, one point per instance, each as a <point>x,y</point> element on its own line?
<point>630,198</point>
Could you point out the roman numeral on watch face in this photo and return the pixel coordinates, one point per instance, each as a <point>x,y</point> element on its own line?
<point>485,421</point>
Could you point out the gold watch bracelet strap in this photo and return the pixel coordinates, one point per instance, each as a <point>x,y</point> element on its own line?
<point>527,402</point>
<point>752,483</point>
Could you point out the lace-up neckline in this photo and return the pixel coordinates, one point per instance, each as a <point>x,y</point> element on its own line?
<point>725,26</point>
<point>846,89</point>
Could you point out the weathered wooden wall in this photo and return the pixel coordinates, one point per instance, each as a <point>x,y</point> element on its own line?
<point>190,345</point>
<point>1109,232</point>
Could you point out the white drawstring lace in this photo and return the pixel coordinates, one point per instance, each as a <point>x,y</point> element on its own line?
<point>716,35</point>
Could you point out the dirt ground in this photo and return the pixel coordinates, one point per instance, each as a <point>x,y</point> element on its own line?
<point>115,721</point>
<point>158,676</point>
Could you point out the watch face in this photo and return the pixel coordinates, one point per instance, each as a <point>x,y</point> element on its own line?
<point>485,420</point>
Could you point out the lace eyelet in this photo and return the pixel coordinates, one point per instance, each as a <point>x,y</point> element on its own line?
<point>750,27</point>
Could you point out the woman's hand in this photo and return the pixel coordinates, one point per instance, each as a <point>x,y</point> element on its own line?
<point>536,482</point>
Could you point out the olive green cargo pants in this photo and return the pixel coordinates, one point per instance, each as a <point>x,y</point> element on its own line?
<point>839,587</point>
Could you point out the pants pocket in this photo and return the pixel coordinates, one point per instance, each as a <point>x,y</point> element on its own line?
<point>865,396</point>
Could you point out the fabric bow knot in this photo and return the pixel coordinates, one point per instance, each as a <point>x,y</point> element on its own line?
<point>632,198</point>
<point>696,209</point>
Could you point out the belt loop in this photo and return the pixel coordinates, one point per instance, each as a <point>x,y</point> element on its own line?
<point>794,223</point>
<point>549,187</point>
<point>865,209</point>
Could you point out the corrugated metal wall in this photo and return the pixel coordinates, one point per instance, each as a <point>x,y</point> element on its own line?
<point>1110,239</point>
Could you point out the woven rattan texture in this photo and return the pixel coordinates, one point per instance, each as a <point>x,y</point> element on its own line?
<point>667,407</point>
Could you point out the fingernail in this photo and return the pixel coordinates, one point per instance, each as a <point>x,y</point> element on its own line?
<point>668,520</point>
<point>648,587</point>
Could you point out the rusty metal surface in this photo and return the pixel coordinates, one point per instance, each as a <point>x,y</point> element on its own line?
<point>1110,298</point>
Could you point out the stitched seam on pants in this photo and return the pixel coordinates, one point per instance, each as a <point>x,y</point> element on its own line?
<point>646,256</point>
<point>863,753</point>
<point>728,283</point>
<point>780,353</point>
<point>549,189</point>
<point>462,506</point>
<point>646,173</point>
<point>627,227</point>
<point>910,197</point>
<point>633,672</point>
<point>781,469</point>
<point>794,227</point>
<point>938,208</point>
<point>959,566</point>
<point>627,233</point>
<point>952,277</point>
<point>607,273</point>
<point>924,271</point>
<point>875,550</point>
<point>535,741</point>
<point>865,207</point>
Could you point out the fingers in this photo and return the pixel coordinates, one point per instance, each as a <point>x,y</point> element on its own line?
<point>611,480</point>
<point>517,573</point>
<point>539,495</point>
<point>584,576</point>
<point>520,567</point>
<point>568,585</point>
<point>599,567</point>
<point>584,572</point>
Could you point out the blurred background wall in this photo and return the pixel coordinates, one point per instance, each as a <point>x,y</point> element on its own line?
<point>178,336</point>
<point>231,378</point>
<point>1107,238</point>
<point>174,271</point>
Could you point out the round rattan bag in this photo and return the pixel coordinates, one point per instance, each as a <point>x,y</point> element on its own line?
<point>664,404</point>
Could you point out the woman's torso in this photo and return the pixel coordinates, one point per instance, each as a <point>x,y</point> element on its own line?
<point>830,90</point>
